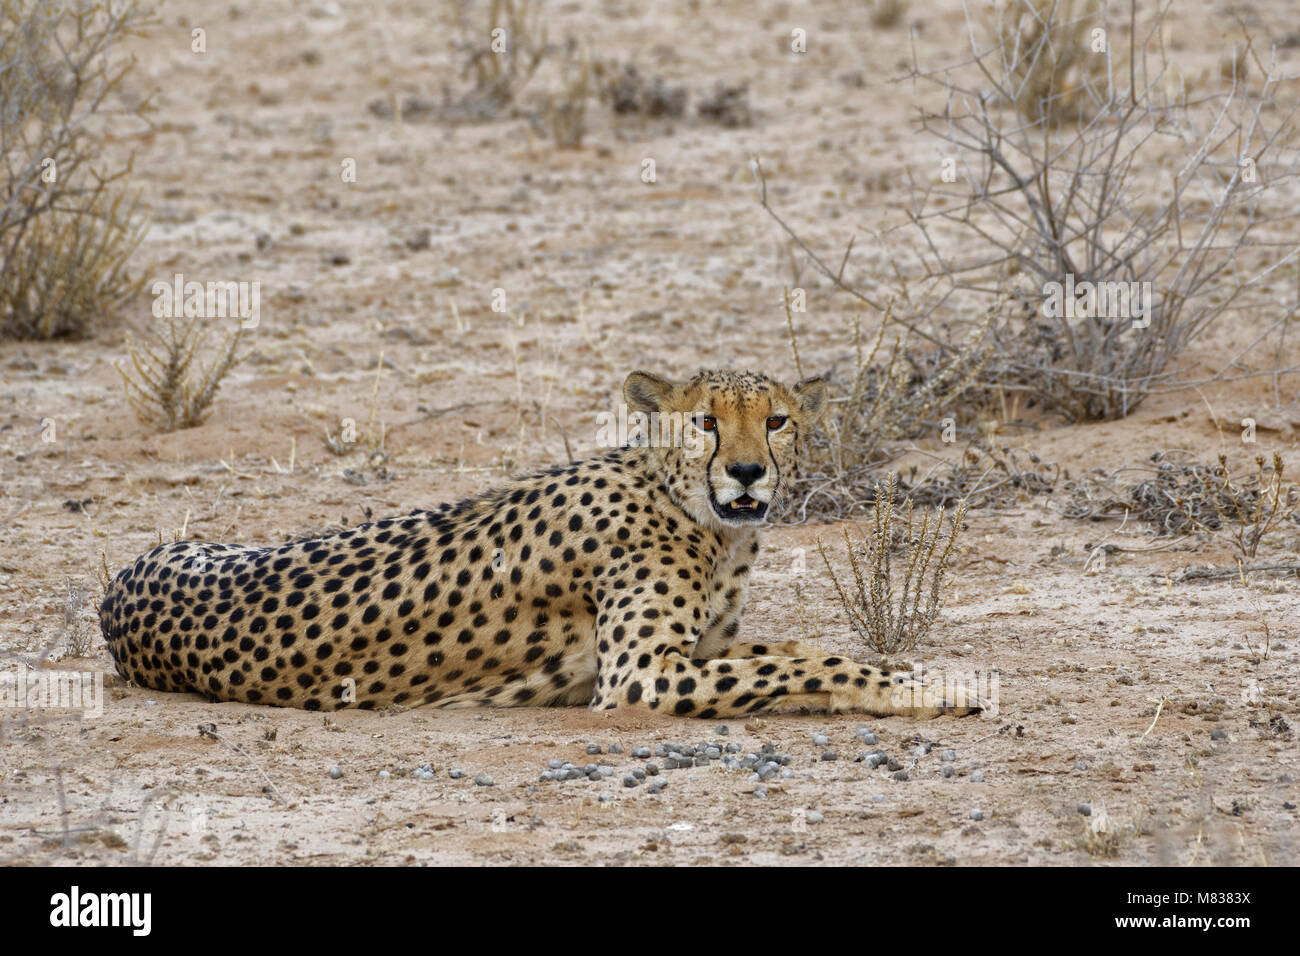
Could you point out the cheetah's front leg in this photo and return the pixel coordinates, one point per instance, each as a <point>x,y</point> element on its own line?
<point>644,660</point>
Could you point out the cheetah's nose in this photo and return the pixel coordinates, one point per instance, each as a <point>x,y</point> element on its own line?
<point>746,474</point>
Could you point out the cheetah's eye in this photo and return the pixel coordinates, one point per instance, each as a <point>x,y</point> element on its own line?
<point>776,422</point>
<point>707,423</point>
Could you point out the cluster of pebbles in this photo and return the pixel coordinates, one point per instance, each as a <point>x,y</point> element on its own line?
<point>767,764</point>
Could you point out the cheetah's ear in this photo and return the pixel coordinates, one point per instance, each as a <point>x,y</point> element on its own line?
<point>811,393</point>
<point>644,392</point>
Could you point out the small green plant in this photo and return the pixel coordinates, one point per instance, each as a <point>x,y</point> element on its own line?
<point>172,388</point>
<point>889,615</point>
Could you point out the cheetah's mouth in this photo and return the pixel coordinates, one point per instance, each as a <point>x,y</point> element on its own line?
<point>743,508</point>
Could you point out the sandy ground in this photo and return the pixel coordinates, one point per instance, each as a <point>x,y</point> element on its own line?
<point>1165,707</point>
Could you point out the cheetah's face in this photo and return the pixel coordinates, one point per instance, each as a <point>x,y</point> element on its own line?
<point>739,439</point>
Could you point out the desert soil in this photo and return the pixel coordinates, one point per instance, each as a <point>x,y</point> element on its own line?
<point>1164,706</point>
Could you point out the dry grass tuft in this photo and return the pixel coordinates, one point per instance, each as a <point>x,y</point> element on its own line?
<point>1047,59</point>
<point>77,637</point>
<point>501,56</point>
<point>566,110</point>
<point>169,390</point>
<point>892,616</point>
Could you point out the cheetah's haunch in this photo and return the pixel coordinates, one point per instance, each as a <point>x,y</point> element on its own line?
<point>617,581</point>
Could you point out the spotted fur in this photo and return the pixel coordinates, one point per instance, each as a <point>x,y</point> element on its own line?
<point>614,582</point>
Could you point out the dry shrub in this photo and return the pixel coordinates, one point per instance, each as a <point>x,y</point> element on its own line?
<point>1196,498</point>
<point>1181,202</point>
<point>66,231</point>
<point>172,388</point>
<point>727,105</point>
<point>1189,202</point>
<point>984,476</point>
<point>888,615</point>
<point>625,91</point>
<point>883,397</point>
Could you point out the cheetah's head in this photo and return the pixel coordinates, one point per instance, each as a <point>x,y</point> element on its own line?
<point>726,441</point>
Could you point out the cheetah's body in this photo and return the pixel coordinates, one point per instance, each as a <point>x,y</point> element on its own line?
<point>611,582</point>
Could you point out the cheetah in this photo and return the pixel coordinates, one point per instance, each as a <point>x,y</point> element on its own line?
<point>614,582</point>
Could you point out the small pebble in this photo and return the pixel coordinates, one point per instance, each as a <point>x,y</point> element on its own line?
<point>652,769</point>
<point>787,774</point>
<point>455,773</point>
<point>815,817</point>
<point>867,737</point>
<point>336,773</point>
<point>948,756</point>
<point>947,770</point>
<point>483,780</point>
<point>760,792</point>
<point>829,755</point>
<point>701,761</point>
<point>616,748</point>
<point>638,773</point>
<point>879,798</point>
<point>661,750</point>
<point>642,752</point>
<point>920,751</point>
<point>605,798</point>
<point>733,748</point>
<point>656,785</point>
<point>384,775</point>
<point>1080,765</point>
<point>821,740</point>
<point>555,763</point>
<point>722,729</point>
<point>893,764</point>
<point>977,777</point>
<point>713,753</point>
<point>1219,734</point>
<point>593,748</point>
<point>901,775</point>
<point>547,775</point>
<point>630,781</point>
<point>977,814</point>
<point>1084,809</point>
